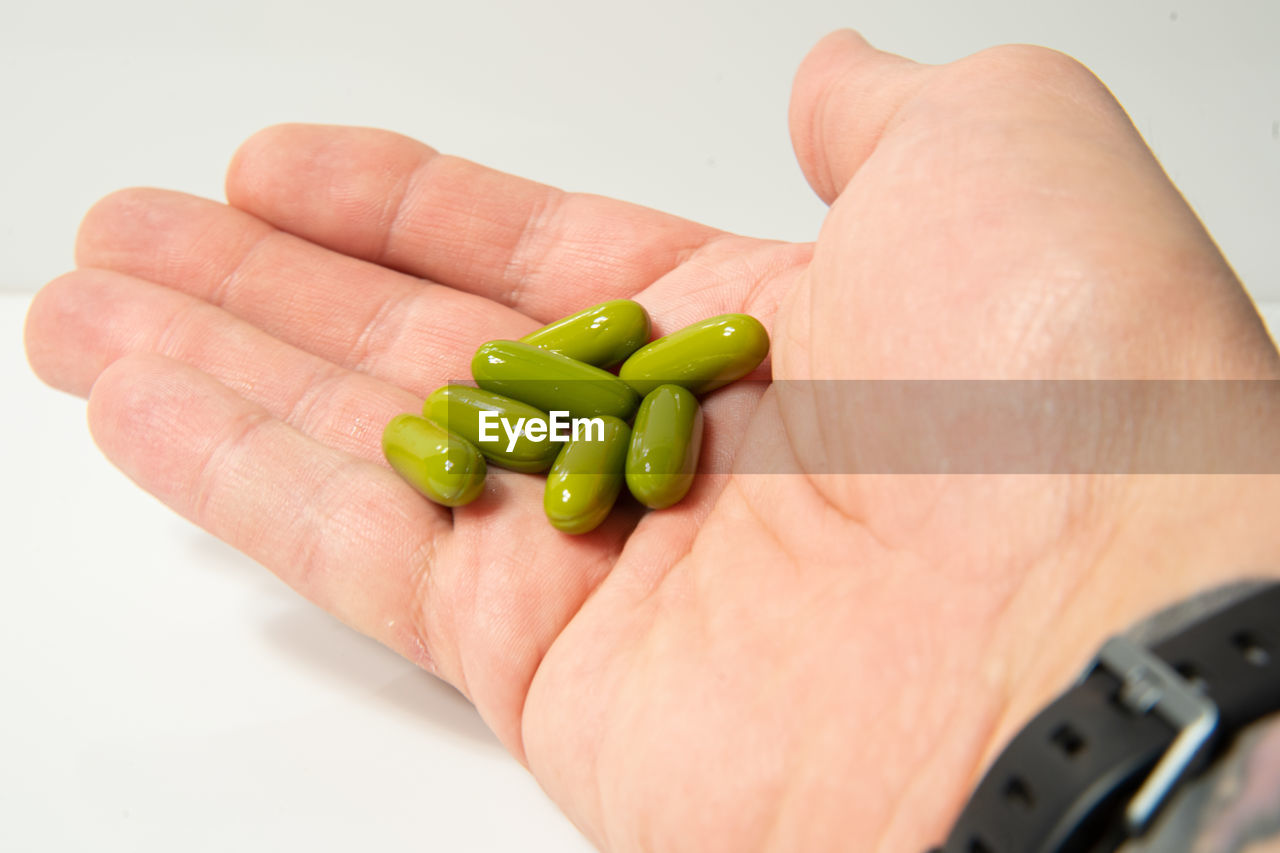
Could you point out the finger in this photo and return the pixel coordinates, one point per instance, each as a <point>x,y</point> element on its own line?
<point>352,537</point>
<point>347,534</point>
<point>81,323</point>
<point>485,619</point>
<point>388,199</point>
<point>846,95</point>
<point>355,314</point>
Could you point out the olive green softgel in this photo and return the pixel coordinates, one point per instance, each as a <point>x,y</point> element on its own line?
<point>586,478</point>
<point>445,468</point>
<point>458,409</point>
<point>551,381</point>
<point>603,334</point>
<point>701,357</point>
<point>665,442</point>
<point>546,402</point>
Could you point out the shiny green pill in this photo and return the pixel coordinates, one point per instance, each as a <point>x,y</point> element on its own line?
<point>550,381</point>
<point>445,468</point>
<point>701,357</point>
<point>499,427</point>
<point>585,480</point>
<point>602,335</point>
<point>665,442</point>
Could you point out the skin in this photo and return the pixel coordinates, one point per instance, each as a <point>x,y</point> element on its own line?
<point>780,662</point>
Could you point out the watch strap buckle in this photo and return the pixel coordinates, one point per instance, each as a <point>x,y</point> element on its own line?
<point>1148,684</point>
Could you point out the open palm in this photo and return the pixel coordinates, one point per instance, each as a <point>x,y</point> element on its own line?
<point>782,660</point>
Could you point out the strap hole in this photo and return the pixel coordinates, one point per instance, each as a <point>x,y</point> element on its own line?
<point>1192,675</point>
<point>1068,740</point>
<point>1250,649</point>
<point>1016,790</point>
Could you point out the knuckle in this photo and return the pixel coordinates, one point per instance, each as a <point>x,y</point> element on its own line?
<point>1030,69</point>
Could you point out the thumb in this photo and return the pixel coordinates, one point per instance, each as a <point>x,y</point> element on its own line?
<point>844,97</point>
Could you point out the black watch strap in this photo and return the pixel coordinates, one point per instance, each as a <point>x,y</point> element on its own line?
<point>1095,767</point>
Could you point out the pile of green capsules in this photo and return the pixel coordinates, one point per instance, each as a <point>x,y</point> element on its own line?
<point>548,401</point>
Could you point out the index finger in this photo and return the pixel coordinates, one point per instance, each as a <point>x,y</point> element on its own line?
<point>386,198</point>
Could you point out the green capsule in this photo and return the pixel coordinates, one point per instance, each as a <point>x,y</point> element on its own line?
<point>665,443</point>
<point>701,357</point>
<point>550,381</point>
<point>444,467</point>
<point>602,335</point>
<point>504,440</point>
<point>586,478</point>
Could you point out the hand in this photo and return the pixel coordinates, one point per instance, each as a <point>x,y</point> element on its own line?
<point>782,661</point>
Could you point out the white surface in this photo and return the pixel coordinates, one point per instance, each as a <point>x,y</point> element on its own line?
<point>676,104</point>
<point>164,693</point>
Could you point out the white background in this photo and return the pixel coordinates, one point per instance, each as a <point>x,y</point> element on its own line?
<point>162,692</point>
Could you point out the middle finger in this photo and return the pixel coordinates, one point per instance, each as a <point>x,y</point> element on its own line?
<point>352,313</point>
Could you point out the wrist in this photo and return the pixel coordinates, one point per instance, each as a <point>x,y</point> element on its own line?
<point>1181,538</point>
